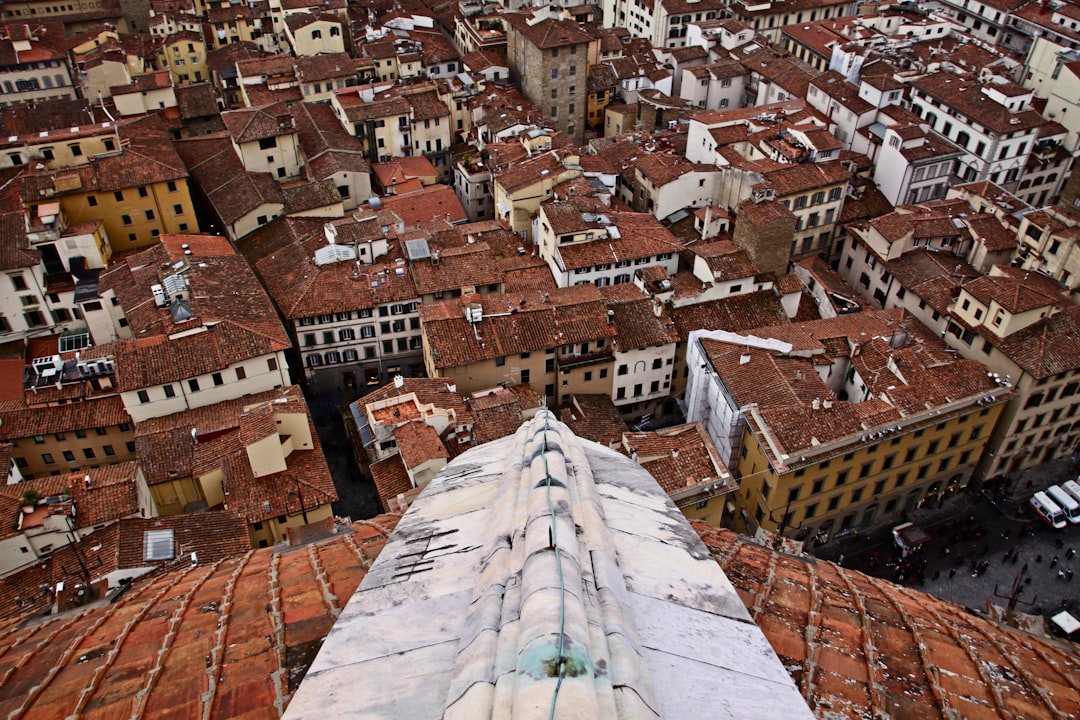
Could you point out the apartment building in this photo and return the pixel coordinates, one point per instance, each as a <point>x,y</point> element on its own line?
<point>584,242</point>
<point>406,430</point>
<point>766,18</point>
<point>50,439</point>
<point>991,121</point>
<point>1019,324</point>
<point>256,457</point>
<point>687,466</point>
<point>664,23</point>
<point>138,190</point>
<point>185,324</point>
<point>815,194</point>
<point>34,62</point>
<point>183,54</point>
<point>520,188</point>
<point>833,424</point>
<point>314,33</point>
<point>559,342</point>
<point>382,123</point>
<point>331,153</point>
<point>53,513</point>
<point>354,317</point>
<point>644,352</point>
<point>914,164</point>
<point>237,201</point>
<point>266,140</point>
<point>1048,240</point>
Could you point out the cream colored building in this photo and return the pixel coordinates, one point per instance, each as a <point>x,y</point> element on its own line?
<point>520,189</point>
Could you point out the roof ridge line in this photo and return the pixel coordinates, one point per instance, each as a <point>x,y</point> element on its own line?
<point>213,666</point>
<point>1022,671</point>
<point>274,613</point>
<point>167,645</point>
<point>869,655</point>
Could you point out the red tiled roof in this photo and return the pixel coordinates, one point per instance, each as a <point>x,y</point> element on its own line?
<point>417,443</point>
<point>391,479</point>
<point>679,457</point>
<point>225,298</point>
<point>434,202</point>
<point>515,323</point>
<point>640,321</point>
<point>594,417</point>
<point>858,646</point>
<point>236,623</point>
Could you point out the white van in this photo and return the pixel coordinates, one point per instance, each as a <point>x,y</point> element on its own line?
<point>1047,510</point>
<point>1073,488</point>
<point>1066,502</point>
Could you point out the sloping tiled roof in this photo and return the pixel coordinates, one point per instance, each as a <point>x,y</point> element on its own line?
<point>594,417</point>
<point>218,171</point>
<point>679,457</point>
<point>434,202</point>
<point>515,323</point>
<point>1047,347</point>
<point>252,124</point>
<point>734,314</point>
<point>640,321</point>
<point>225,297</point>
<point>228,638</point>
<point>860,647</point>
<point>194,639</point>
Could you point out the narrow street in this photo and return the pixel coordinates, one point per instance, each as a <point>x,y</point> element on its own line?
<point>357,498</point>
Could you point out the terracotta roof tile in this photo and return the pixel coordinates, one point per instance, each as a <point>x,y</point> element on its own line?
<point>391,479</point>
<point>734,314</point>
<point>515,323</point>
<point>858,646</point>
<point>549,33</point>
<point>680,457</point>
<point>21,421</point>
<point>964,94</point>
<point>640,321</point>
<point>418,443</point>
<point>434,202</point>
<point>225,298</point>
<point>193,641</point>
<point>219,173</point>
<point>594,417</point>
<point>927,653</point>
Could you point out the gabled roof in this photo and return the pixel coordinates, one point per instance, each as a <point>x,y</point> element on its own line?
<point>549,33</point>
<point>218,171</point>
<point>515,323</point>
<point>253,124</point>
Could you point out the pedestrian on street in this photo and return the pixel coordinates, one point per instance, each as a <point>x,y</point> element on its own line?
<point>1068,573</point>
<point>1058,543</point>
<point>1069,553</point>
<point>1038,558</point>
<point>1053,561</point>
<point>1016,556</point>
<point>952,573</point>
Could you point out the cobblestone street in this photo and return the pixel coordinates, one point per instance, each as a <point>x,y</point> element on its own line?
<point>970,530</point>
